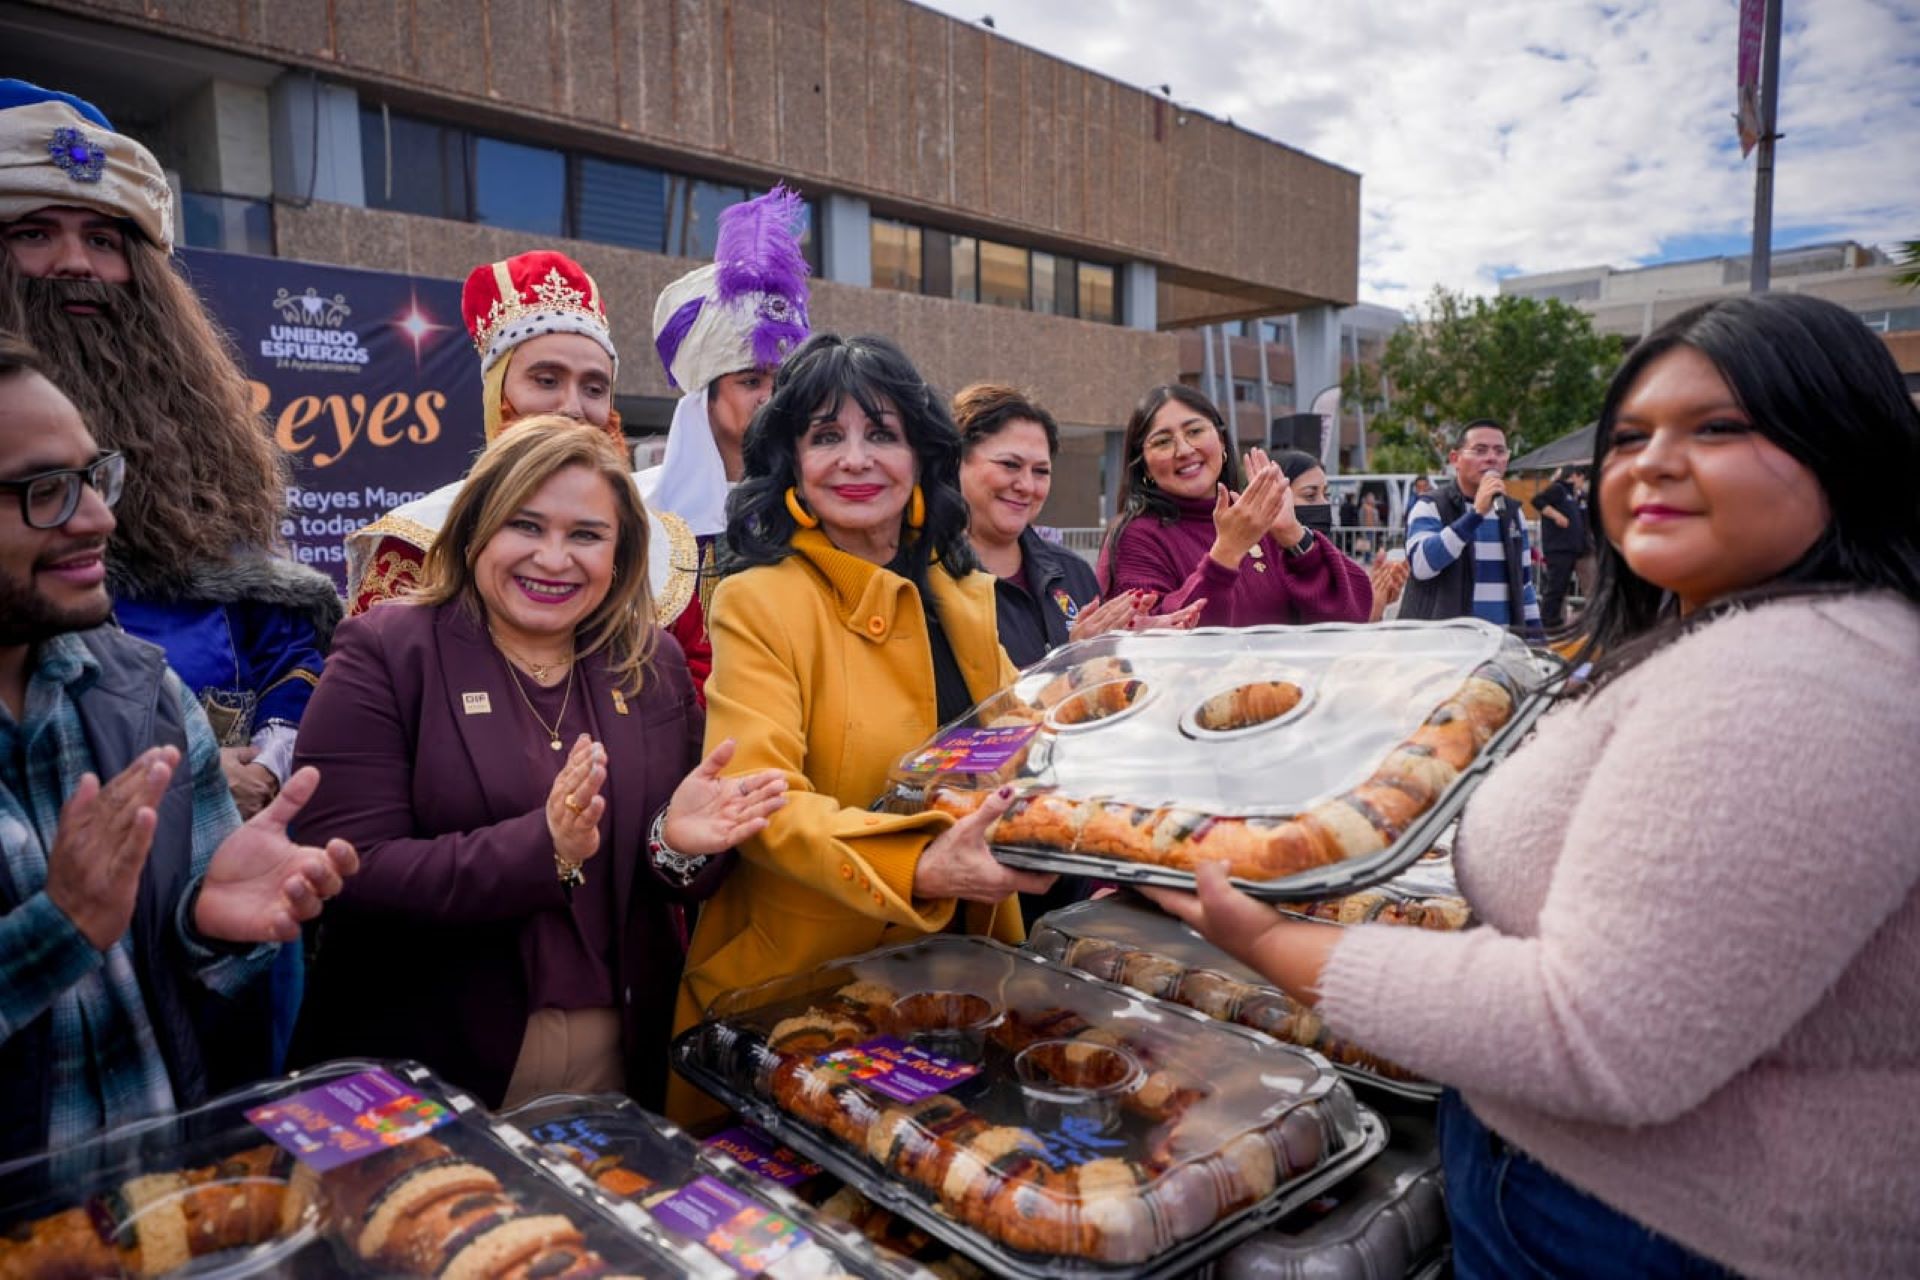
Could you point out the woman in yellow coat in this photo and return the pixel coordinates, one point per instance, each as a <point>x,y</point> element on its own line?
<point>851,625</point>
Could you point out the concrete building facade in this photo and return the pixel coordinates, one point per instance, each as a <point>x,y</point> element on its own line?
<point>1633,302</point>
<point>1002,213</point>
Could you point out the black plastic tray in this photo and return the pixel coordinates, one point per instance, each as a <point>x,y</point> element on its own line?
<point>666,1155</point>
<point>57,1181</point>
<point>1194,952</point>
<point>1179,1260</point>
<point>1336,880</point>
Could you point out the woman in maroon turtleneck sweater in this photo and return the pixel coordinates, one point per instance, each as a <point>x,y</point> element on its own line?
<point>1188,530</point>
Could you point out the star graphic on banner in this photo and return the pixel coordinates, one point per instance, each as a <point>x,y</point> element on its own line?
<point>417,325</point>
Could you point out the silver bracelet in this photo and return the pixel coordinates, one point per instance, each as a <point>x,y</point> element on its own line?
<point>685,868</point>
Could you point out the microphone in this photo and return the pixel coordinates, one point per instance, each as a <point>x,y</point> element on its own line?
<point>1499,499</point>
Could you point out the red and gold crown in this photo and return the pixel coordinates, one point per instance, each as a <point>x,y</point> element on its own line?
<point>506,303</point>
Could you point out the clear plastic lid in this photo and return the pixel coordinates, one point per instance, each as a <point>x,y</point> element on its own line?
<point>353,1168</point>
<point>1042,1122</point>
<point>701,1195</point>
<point>1281,750</point>
<point>1121,939</point>
<point>1385,1223</point>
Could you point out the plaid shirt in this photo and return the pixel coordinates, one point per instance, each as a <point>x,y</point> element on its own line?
<point>106,1067</point>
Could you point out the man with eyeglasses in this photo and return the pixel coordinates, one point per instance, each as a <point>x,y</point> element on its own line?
<point>1467,546</point>
<point>139,918</point>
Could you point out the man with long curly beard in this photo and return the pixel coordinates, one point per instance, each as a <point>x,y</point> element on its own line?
<point>87,221</point>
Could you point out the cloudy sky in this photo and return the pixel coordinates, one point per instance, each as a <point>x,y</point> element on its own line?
<point>1532,135</point>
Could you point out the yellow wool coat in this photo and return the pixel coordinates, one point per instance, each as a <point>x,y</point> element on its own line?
<point>822,669</point>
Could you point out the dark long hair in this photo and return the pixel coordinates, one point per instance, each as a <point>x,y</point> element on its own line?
<point>1821,386</point>
<point>817,379</point>
<point>1139,496</point>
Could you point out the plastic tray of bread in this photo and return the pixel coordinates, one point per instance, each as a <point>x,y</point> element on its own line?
<point>1312,760</point>
<point>1387,1222</point>
<point>698,1194</point>
<point>1039,1121</point>
<point>1121,939</point>
<point>353,1168</point>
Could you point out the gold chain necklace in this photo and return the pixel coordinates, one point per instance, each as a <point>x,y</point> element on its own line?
<point>538,670</point>
<point>553,730</point>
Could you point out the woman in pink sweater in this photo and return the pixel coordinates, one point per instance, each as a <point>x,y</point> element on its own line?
<point>1687,1037</point>
<point>1190,532</point>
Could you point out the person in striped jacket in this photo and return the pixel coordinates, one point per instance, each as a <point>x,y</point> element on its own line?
<point>1467,545</point>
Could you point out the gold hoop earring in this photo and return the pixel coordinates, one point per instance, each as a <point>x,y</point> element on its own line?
<point>917,509</point>
<point>801,516</point>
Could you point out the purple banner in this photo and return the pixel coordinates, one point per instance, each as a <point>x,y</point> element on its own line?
<point>366,379</point>
<point>348,1119</point>
<point>897,1069</point>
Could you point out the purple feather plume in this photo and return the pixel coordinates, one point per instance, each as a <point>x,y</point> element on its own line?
<point>675,333</point>
<point>757,249</point>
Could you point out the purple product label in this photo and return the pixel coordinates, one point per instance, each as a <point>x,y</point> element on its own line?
<point>758,1153</point>
<point>348,1119</point>
<point>748,1237</point>
<point>897,1069</point>
<point>973,750</point>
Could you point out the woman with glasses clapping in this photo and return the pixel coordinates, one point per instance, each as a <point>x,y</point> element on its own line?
<point>1190,531</point>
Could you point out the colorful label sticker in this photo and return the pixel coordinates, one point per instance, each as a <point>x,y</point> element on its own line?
<point>748,1237</point>
<point>348,1119</point>
<point>973,750</point>
<point>758,1153</point>
<point>897,1069</point>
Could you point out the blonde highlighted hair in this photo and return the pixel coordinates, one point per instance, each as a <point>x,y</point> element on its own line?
<point>504,481</point>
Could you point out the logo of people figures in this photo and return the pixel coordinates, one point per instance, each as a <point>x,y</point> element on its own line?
<point>311,309</point>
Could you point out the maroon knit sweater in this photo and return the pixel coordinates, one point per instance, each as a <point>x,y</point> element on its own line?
<point>1269,586</point>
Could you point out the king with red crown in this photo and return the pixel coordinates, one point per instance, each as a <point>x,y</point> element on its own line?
<point>540,327</point>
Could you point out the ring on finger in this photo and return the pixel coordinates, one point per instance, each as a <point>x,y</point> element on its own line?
<point>573,804</point>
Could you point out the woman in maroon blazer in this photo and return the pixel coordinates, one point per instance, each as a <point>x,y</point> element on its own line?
<point>512,924</point>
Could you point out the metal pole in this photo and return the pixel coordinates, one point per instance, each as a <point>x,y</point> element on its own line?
<point>1762,270</point>
<point>1229,409</point>
<point>1207,385</point>
<point>1360,405</point>
<point>1266,385</point>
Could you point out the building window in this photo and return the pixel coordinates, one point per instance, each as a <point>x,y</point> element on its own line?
<point>1044,299</point>
<point>1097,302</point>
<point>693,215</point>
<point>413,166</point>
<point>952,266</point>
<point>1246,391</point>
<point>518,186</point>
<point>623,204</point>
<point>896,256</point>
<point>232,224</point>
<point>1004,280</point>
<point>1278,332</point>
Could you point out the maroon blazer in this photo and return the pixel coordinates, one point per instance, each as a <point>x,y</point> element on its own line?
<point>421,955</point>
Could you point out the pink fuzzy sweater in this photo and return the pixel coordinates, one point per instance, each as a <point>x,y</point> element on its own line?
<point>1698,994</point>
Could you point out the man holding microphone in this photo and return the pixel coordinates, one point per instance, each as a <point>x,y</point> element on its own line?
<point>1470,511</point>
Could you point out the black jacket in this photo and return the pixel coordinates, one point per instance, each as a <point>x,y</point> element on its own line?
<point>1062,584</point>
<point>209,1043</point>
<point>1572,540</point>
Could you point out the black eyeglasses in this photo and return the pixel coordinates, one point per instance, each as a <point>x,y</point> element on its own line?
<point>49,499</point>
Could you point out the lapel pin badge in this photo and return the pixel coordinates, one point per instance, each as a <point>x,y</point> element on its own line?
<point>476,704</point>
<point>619,702</point>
